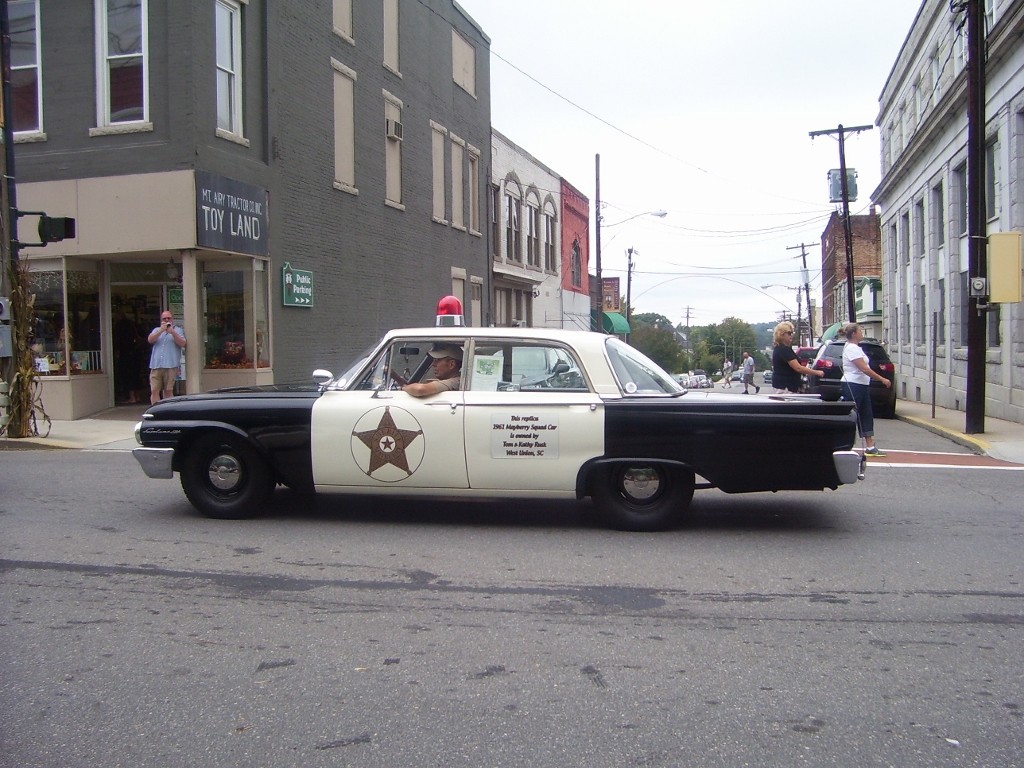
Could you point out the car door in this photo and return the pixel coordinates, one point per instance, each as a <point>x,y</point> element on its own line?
<point>528,429</point>
<point>375,437</point>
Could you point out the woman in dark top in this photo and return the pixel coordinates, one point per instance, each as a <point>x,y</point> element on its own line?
<point>786,368</point>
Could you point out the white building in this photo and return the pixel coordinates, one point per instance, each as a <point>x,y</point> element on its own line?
<point>538,243</point>
<point>923,198</point>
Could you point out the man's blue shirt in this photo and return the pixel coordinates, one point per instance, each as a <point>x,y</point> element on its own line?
<point>165,353</point>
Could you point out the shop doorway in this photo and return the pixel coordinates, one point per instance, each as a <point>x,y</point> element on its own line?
<point>134,312</point>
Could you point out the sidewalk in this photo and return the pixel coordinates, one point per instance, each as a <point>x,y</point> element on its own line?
<point>113,429</point>
<point>1000,440</point>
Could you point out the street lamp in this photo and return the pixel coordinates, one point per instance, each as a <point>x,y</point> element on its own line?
<point>597,257</point>
<point>725,350</point>
<point>660,214</point>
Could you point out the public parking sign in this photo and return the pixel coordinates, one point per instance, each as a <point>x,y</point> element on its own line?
<point>296,287</point>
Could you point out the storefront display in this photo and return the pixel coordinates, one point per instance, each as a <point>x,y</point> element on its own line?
<point>236,315</point>
<point>66,325</point>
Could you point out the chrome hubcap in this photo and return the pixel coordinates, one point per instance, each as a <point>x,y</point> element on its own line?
<point>225,472</point>
<point>640,483</point>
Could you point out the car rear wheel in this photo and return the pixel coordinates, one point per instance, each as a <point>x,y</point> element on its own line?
<point>224,477</point>
<point>639,496</point>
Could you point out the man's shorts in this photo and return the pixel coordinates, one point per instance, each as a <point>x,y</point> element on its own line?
<point>748,378</point>
<point>162,379</point>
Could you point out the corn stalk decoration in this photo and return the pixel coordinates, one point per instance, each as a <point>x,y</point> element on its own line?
<point>26,406</point>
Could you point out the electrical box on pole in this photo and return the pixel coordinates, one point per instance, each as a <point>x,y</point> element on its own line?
<point>835,185</point>
<point>1004,267</point>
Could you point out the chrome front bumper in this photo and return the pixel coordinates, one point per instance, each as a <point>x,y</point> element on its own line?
<point>849,466</point>
<point>155,462</point>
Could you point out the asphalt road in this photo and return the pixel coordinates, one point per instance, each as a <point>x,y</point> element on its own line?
<point>877,625</point>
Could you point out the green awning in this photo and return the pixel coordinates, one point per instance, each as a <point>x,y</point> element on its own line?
<point>615,323</point>
<point>831,332</point>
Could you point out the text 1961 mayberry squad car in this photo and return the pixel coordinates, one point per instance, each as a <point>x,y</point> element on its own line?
<point>540,414</point>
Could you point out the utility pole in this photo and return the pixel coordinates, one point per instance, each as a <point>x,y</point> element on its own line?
<point>599,322</point>
<point>848,233</point>
<point>807,286</point>
<point>688,311</point>
<point>976,230</point>
<point>629,288</point>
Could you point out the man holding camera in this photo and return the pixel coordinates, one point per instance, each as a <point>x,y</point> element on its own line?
<point>167,341</point>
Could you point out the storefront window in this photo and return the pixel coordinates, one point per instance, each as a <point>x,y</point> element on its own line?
<point>236,304</point>
<point>48,328</point>
<point>66,325</point>
<point>261,312</point>
<point>83,289</point>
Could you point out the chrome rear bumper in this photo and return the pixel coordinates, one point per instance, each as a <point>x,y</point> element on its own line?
<point>849,466</point>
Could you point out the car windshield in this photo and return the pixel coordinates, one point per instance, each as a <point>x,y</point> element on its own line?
<point>638,374</point>
<point>345,377</point>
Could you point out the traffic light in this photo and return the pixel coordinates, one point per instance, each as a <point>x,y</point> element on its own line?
<point>53,229</point>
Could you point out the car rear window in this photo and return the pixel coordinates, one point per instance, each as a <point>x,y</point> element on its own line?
<point>875,353</point>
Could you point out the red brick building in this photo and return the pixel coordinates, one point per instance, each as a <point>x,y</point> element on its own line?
<point>867,271</point>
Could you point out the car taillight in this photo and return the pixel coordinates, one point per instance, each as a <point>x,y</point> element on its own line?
<point>823,365</point>
<point>886,367</point>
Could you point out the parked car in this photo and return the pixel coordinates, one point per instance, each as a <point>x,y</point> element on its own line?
<point>602,421</point>
<point>768,378</point>
<point>830,360</point>
<point>806,354</point>
<point>736,376</point>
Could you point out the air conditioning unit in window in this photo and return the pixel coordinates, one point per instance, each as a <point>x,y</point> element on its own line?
<point>393,129</point>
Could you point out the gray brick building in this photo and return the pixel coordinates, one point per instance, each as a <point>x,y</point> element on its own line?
<point>290,179</point>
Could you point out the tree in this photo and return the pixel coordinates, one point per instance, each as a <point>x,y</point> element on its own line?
<point>710,351</point>
<point>652,318</point>
<point>659,344</point>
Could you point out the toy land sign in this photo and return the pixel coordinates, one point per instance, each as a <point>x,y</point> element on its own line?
<point>296,287</point>
<point>231,216</point>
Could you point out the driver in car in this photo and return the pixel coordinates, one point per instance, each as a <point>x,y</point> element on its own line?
<point>446,363</point>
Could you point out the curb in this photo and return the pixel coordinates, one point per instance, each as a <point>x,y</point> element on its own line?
<point>975,444</point>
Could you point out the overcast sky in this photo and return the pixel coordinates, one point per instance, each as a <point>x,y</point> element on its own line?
<point>701,109</point>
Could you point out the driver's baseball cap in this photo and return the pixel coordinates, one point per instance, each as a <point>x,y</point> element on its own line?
<point>439,351</point>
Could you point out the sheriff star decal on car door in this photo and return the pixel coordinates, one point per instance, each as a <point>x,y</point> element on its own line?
<point>394,451</point>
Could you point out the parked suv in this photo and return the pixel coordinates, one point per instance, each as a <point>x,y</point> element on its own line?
<point>830,360</point>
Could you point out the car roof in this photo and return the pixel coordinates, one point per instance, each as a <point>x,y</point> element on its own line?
<point>865,340</point>
<point>590,345</point>
<point>834,349</point>
<point>582,340</point>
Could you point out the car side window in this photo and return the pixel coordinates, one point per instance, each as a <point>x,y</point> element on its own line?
<point>523,367</point>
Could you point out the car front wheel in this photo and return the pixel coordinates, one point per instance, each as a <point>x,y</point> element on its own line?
<point>224,477</point>
<point>639,496</point>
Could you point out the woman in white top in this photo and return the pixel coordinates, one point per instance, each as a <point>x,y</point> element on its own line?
<point>856,383</point>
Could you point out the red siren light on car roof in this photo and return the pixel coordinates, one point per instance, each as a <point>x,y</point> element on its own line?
<point>449,312</point>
